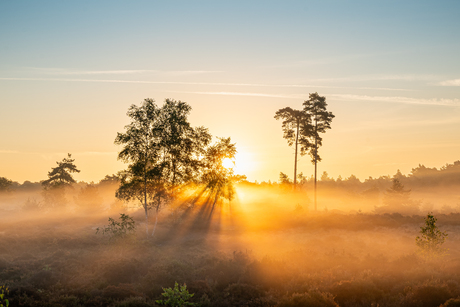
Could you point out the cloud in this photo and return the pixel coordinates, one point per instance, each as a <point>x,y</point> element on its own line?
<point>309,86</point>
<point>96,153</point>
<point>61,71</point>
<point>455,82</point>
<point>245,94</point>
<point>406,100</point>
<point>405,77</point>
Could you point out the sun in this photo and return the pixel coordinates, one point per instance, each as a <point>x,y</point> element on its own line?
<point>228,163</point>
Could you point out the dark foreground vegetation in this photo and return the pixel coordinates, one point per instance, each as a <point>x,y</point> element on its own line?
<point>230,258</point>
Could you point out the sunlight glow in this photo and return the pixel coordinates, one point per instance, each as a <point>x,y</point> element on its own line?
<point>228,163</point>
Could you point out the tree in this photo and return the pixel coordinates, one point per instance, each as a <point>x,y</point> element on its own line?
<point>5,184</point>
<point>315,109</point>
<point>59,178</point>
<point>297,129</point>
<point>162,150</point>
<point>397,199</point>
<point>218,180</point>
<point>60,175</point>
<point>431,240</point>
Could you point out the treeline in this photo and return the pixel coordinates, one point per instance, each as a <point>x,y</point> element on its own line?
<point>419,177</point>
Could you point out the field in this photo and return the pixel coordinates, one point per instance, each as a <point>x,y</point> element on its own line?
<point>266,250</point>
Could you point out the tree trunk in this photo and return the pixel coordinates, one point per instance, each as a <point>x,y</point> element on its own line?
<point>145,203</point>
<point>295,162</point>
<point>156,221</point>
<point>316,153</point>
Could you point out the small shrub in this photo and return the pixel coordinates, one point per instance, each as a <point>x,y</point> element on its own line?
<point>176,296</point>
<point>119,229</point>
<point>3,293</point>
<point>431,239</point>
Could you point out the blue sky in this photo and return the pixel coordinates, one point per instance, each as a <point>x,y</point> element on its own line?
<point>390,71</point>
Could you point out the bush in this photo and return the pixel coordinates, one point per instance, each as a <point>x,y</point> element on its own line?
<point>120,229</point>
<point>431,239</point>
<point>3,293</point>
<point>176,296</point>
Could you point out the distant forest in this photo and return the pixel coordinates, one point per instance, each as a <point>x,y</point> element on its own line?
<point>419,177</point>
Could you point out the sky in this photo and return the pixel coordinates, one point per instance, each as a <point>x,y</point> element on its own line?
<point>390,72</point>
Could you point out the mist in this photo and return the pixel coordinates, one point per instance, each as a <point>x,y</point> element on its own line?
<point>265,247</point>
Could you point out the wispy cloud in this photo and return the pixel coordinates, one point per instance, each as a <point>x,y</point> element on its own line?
<point>402,77</point>
<point>308,86</point>
<point>53,154</point>
<point>96,153</point>
<point>247,94</point>
<point>406,100</point>
<point>62,71</point>
<point>454,82</point>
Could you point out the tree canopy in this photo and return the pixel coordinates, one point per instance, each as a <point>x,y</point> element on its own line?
<point>163,152</point>
<point>60,175</point>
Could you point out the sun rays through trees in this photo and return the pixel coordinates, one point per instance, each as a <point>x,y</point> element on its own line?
<point>165,154</point>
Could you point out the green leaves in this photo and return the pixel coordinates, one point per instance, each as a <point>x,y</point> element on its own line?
<point>431,239</point>
<point>3,300</point>
<point>176,297</point>
<point>119,229</point>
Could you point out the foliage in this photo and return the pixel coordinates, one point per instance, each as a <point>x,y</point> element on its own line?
<point>178,296</point>
<point>431,239</point>
<point>297,129</point>
<point>397,198</point>
<point>284,179</point>
<point>3,293</point>
<point>162,150</point>
<point>315,109</point>
<point>61,174</point>
<point>218,180</point>
<point>119,229</point>
<point>5,184</point>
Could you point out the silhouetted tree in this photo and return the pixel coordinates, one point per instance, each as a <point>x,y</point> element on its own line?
<point>297,129</point>
<point>60,175</point>
<point>397,199</point>
<point>162,150</point>
<point>431,239</point>
<point>320,119</point>
<point>59,178</point>
<point>5,184</point>
<point>218,180</point>
<point>181,144</point>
